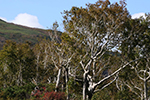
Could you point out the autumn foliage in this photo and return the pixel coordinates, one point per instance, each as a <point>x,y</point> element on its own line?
<point>43,94</point>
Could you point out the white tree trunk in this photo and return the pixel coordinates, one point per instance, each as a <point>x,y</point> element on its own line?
<point>58,80</point>
<point>145,90</point>
<point>66,80</point>
<point>37,67</point>
<point>85,85</point>
<point>20,75</point>
<point>89,86</point>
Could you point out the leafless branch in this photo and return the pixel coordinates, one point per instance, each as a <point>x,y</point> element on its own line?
<point>115,72</point>
<point>106,84</point>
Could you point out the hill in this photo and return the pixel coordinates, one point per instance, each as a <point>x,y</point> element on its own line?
<point>20,34</point>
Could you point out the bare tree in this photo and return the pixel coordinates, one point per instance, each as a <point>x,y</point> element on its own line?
<point>61,55</point>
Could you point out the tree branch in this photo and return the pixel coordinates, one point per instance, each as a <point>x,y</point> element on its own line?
<point>106,84</point>
<point>98,83</point>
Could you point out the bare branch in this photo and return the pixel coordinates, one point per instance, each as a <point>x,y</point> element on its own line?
<point>114,73</point>
<point>88,65</point>
<point>132,90</point>
<point>133,84</point>
<point>102,47</point>
<point>138,74</point>
<point>55,63</point>
<point>82,65</point>
<point>106,84</point>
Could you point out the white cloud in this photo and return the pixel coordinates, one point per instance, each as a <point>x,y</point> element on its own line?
<point>27,20</point>
<point>3,18</point>
<point>138,15</point>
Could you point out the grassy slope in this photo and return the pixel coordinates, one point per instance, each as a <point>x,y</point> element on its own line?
<point>20,34</point>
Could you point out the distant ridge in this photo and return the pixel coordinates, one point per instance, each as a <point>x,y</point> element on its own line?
<point>20,34</point>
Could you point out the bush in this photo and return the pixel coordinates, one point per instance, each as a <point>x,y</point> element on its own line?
<point>54,96</point>
<point>17,93</point>
<point>46,92</point>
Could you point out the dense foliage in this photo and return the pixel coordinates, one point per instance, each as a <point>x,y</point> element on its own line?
<point>103,54</point>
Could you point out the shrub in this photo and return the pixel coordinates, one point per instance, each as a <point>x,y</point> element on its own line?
<point>54,96</point>
<point>17,93</point>
<point>43,93</point>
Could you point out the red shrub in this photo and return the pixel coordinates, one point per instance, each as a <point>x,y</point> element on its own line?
<point>54,96</point>
<point>44,88</point>
<point>36,93</point>
<point>45,95</point>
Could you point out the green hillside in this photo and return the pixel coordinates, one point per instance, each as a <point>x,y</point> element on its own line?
<point>20,34</point>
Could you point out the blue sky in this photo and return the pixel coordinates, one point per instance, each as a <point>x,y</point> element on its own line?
<point>42,13</point>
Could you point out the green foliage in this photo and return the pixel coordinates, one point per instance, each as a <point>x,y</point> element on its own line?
<point>73,87</point>
<point>137,45</point>
<point>20,34</point>
<point>49,87</point>
<point>86,31</point>
<point>17,63</point>
<point>112,93</point>
<point>108,93</point>
<point>15,92</point>
<point>125,94</point>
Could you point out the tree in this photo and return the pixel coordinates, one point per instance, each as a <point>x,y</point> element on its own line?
<point>44,67</point>
<point>62,54</point>
<point>97,29</point>
<point>59,54</point>
<point>137,46</point>
<point>17,63</point>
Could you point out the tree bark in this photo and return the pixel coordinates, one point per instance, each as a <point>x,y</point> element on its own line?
<point>37,68</point>
<point>58,80</point>
<point>145,90</point>
<point>84,85</point>
<point>20,75</point>
<point>87,87</point>
<point>66,81</point>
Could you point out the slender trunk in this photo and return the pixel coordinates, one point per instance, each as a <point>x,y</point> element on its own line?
<point>45,60</point>
<point>58,80</point>
<point>37,68</point>
<point>5,81</point>
<point>88,87</point>
<point>20,75</point>
<point>145,90</point>
<point>84,87</point>
<point>66,80</point>
<point>142,98</point>
<point>85,90</point>
<point>145,86</point>
<point>89,96</point>
<point>37,73</point>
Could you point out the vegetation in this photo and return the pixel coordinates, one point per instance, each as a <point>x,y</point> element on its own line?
<point>20,34</point>
<point>103,54</point>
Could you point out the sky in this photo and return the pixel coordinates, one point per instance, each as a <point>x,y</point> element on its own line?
<point>43,13</point>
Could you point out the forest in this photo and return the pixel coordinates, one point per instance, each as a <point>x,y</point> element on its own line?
<point>103,54</point>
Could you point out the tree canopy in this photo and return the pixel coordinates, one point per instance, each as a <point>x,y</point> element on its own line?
<point>102,54</point>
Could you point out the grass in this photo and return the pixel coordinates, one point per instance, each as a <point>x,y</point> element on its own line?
<point>21,34</point>
<point>18,33</point>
